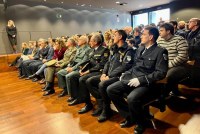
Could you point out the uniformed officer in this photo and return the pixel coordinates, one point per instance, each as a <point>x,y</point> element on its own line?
<point>98,58</point>
<point>50,71</point>
<point>121,59</point>
<point>82,55</point>
<point>150,65</point>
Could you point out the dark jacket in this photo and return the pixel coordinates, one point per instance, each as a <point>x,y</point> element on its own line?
<point>120,60</point>
<point>148,67</point>
<point>45,53</point>
<point>97,59</point>
<point>11,31</point>
<point>193,39</point>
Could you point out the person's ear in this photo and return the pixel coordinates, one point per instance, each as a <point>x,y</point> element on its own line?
<point>150,37</point>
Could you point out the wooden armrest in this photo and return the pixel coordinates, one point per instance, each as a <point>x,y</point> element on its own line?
<point>163,81</point>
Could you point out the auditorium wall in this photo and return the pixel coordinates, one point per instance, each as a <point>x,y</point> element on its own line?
<point>34,20</point>
<point>185,9</point>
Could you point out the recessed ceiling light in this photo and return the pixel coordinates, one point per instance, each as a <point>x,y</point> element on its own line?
<point>62,2</point>
<point>45,0</point>
<point>121,3</point>
<point>83,5</point>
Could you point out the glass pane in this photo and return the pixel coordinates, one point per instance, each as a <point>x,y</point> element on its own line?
<point>140,19</point>
<point>154,17</point>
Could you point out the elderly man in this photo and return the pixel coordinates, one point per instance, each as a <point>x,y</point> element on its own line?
<point>82,55</point>
<point>193,38</point>
<point>97,59</point>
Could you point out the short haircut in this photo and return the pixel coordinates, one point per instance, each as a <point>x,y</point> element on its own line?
<point>123,34</point>
<point>43,40</point>
<point>97,38</point>
<point>153,31</point>
<point>72,41</point>
<point>168,27</point>
<point>174,23</point>
<point>137,29</point>
<point>132,41</point>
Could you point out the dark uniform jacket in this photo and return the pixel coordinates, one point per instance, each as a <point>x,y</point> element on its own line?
<point>97,59</point>
<point>82,55</point>
<point>148,67</point>
<point>193,39</point>
<point>120,60</point>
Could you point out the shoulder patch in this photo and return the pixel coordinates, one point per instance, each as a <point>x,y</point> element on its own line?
<point>128,58</point>
<point>165,57</point>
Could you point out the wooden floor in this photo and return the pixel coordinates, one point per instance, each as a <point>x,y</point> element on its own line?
<point>23,110</point>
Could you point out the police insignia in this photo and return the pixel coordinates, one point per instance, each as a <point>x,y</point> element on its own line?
<point>128,58</point>
<point>165,57</point>
<point>105,54</point>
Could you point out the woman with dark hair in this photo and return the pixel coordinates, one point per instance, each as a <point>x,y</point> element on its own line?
<point>12,34</point>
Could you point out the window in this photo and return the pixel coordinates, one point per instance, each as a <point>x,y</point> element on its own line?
<point>140,19</point>
<point>154,17</point>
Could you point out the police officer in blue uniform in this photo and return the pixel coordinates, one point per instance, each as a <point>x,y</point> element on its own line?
<point>150,65</point>
<point>121,59</point>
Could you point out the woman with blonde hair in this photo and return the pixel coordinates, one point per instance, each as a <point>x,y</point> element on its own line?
<point>25,49</point>
<point>12,34</point>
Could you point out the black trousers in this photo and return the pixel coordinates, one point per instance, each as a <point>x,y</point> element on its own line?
<point>175,76</point>
<point>102,90</point>
<point>83,91</point>
<point>92,85</point>
<point>133,108</point>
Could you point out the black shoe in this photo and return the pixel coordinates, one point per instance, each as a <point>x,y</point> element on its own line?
<point>105,115</point>
<point>126,124</point>
<point>32,76</point>
<point>46,88</point>
<point>85,109</point>
<point>21,77</point>
<point>97,112</point>
<point>52,91</point>
<point>75,102</point>
<point>63,93</point>
<point>139,129</point>
<point>70,99</point>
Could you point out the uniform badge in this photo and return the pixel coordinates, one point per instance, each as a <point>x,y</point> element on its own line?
<point>105,54</point>
<point>165,57</point>
<point>128,58</point>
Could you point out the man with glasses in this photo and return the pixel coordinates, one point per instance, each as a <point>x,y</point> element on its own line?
<point>193,39</point>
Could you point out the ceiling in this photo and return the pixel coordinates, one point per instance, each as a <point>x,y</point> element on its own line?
<point>131,5</point>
